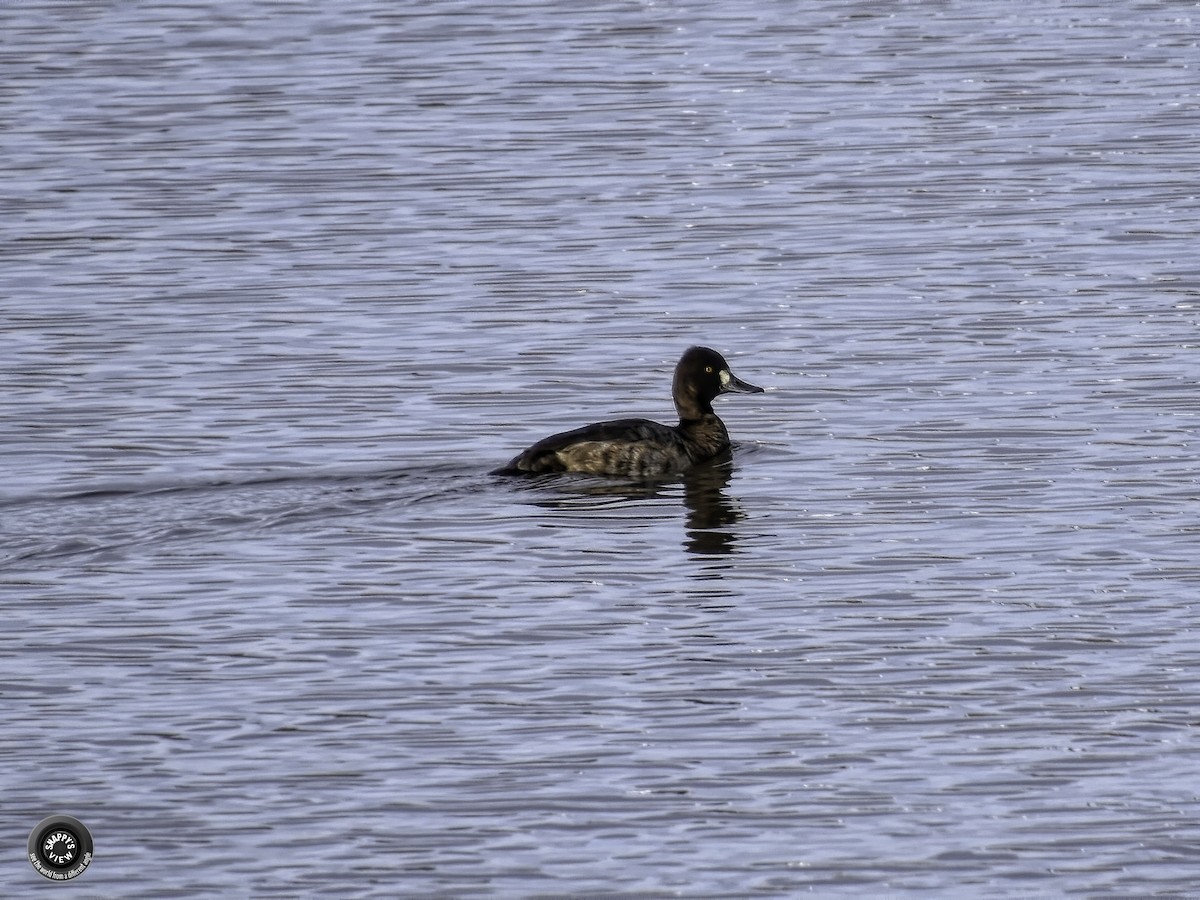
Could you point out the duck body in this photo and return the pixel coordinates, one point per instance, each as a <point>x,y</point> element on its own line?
<point>641,448</point>
<point>635,447</point>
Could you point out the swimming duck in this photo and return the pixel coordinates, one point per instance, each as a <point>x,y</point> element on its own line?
<point>640,448</point>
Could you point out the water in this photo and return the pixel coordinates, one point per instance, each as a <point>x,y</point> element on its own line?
<point>281,283</point>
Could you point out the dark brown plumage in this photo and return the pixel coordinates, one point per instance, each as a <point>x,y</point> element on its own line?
<point>640,448</point>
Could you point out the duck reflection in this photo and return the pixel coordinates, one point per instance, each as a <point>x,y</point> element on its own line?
<point>710,511</point>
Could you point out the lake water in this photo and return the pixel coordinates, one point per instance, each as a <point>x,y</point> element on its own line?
<point>282,282</point>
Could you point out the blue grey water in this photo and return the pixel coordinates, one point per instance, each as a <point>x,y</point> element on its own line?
<point>281,282</point>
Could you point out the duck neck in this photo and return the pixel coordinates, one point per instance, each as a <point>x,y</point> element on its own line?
<point>706,432</point>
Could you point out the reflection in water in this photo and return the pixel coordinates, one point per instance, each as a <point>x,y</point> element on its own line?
<point>709,508</point>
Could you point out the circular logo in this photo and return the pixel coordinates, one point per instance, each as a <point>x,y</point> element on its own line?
<point>60,847</point>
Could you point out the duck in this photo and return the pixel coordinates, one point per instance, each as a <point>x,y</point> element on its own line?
<point>642,448</point>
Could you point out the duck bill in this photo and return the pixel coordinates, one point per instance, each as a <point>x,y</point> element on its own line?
<point>731,384</point>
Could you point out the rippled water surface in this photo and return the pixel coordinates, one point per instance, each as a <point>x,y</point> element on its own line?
<point>282,282</point>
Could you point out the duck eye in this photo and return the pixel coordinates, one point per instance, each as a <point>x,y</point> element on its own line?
<point>708,370</point>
